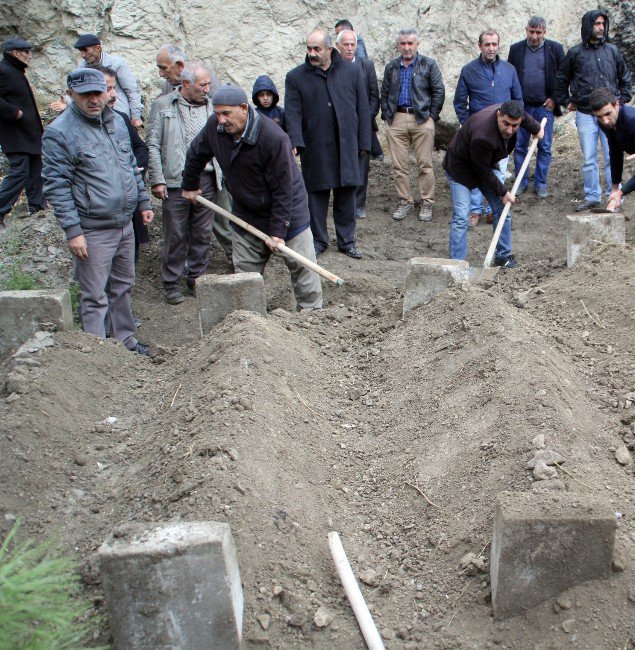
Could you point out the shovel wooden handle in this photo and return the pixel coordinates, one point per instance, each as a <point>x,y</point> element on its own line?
<point>501,222</point>
<point>280,247</point>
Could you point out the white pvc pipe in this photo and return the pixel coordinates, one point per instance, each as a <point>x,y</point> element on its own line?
<point>354,595</point>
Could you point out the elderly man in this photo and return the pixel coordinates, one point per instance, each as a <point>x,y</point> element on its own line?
<point>328,122</point>
<point>617,121</point>
<point>594,63</point>
<point>171,61</point>
<point>20,130</point>
<point>175,120</point>
<point>471,161</point>
<point>412,96</point>
<point>347,45</point>
<point>127,89</point>
<point>345,24</point>
<point>92,181</point>
<point>484,81</point>
<point>265,182</point>
<point>537,60</point>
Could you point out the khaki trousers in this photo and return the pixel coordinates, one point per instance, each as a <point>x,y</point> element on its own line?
<point>403,133</point>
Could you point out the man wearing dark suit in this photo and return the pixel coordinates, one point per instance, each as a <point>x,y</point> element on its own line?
<point>537,60</point>
<point>20,130</point>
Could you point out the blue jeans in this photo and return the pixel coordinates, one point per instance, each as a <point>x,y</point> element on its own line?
<point>543,158</point>
<point>460,215</point>
<point>476,197</point>
<point>588,134</point>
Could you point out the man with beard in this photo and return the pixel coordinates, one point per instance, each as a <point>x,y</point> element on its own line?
<point>328,122</point>
<point>591,64</point>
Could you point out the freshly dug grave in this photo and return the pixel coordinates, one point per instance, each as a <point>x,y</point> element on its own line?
<point>294,425</point>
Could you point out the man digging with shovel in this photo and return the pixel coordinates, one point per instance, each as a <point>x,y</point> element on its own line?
<point>255,156</point>
<point>486,138</point>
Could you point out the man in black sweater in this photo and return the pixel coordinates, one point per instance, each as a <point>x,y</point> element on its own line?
<point>618,123</point>
<point>487,137</point>
<point>255,156</point>
<point>20,130</point>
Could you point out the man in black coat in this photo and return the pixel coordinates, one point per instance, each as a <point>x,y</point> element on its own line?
<point>593,63</point>
<point>328,122</point>
<point>20,130</point>
<point>347,45</point>
<point>255,156</point>
<point>537,60</point>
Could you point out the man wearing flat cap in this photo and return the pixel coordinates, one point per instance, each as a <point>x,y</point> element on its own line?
<point>255,156</point>
<point>126,87</point>
<point>20,130</point>
<point>92,181</point>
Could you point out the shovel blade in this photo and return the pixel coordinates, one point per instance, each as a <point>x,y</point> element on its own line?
<point>486,274</point>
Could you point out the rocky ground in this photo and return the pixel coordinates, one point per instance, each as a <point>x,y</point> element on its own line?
<point>298,424</point>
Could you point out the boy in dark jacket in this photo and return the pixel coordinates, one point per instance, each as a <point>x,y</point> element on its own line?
<point>265,98</point>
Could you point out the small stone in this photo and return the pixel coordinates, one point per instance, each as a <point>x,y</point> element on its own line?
<point>546,456</point>
<point>539,441</point>
<point>388,634</point>
<point>543,472</point>
<point>618,565</point>
<point>14,397</point>
<point>467,559</point>
<point>277,590</point>
<point>567,625</point>
<point>80,460</point>
<point>623,455</point>
<point>631,595</point>
<point>564,602</point>
<point>323,617</point>
<point>232,453</point>
<point>370,577</point>
<point>264,620</point>
<point>520,300</point>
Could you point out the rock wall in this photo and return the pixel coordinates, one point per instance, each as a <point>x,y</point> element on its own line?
<point>246,38</point>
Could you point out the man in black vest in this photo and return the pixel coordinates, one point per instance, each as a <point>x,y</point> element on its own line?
<point>537,60</point>
<point>20,130</point>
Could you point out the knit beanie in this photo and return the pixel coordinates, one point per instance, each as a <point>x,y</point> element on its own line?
<point>229,95</point>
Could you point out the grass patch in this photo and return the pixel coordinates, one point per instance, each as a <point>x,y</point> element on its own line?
<point>19,280</point>
<point>40,598</point>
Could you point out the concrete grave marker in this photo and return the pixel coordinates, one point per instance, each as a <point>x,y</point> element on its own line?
<point>586,230</point>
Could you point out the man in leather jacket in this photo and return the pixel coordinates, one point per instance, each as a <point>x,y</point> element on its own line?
<point>412,96</point>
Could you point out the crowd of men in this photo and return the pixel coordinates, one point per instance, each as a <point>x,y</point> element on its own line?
<point>207,139</point>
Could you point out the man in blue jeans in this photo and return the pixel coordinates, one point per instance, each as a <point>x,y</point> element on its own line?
<point>537,60</point>
<point>591,64</point>
<point>470,162</point>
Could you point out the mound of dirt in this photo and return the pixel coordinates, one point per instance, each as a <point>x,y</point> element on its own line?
<point>397,433</point>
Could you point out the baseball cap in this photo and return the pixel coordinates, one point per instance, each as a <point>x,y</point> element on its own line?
<point>86,80</point>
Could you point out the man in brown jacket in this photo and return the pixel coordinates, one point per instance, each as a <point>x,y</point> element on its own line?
<point>487,137</point>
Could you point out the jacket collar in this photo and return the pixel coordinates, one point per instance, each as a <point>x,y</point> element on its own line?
<point>107,116</point>
<point>16,63</point>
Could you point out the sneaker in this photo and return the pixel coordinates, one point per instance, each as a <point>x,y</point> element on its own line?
<point>174,296</point>
<point>521,189</point>
<point>508,262</point>
<point>360,213</point>
<point>353,252</point>
<point>402,210</point>
<point>541,192</point>
<point>190,287</point>
<point>425,214</point>
<point>586,205</point>
<point>141,349</point>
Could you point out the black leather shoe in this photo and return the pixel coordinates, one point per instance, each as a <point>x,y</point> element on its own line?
<point>353,252</point>
<point>141,349</point>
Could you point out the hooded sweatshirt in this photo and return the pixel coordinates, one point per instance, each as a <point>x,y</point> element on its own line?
<point>592,65</point>
<point>274,112</point>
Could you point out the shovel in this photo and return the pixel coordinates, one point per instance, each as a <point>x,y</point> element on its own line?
<point>280,247</point>
<point>488,271</point>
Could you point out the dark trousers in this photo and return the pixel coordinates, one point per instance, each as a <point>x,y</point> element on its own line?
<point>187,233</point>
<point>343,217</point>
<point>25,172</point>
<point>360,194</point>
<point>375,146</point>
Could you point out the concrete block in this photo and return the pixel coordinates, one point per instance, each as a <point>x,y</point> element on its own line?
<point>219,295</point>
<point>545,543</point>
<point>586,230</point>
<point>429,276</point>
<point>23,313</point>
<point>173,585</point>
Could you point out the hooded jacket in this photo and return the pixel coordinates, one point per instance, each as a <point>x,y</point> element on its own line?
<point>274,112</point>
<point>592,65</point>
<point>23,135</point>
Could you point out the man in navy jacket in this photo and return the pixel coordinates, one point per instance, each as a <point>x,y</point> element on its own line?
<point>617,121</point>
<point>537,60</point>
<point>485,81</point>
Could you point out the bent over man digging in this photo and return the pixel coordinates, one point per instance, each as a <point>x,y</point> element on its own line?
<point>471,162</point>
<point>255,156</point>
